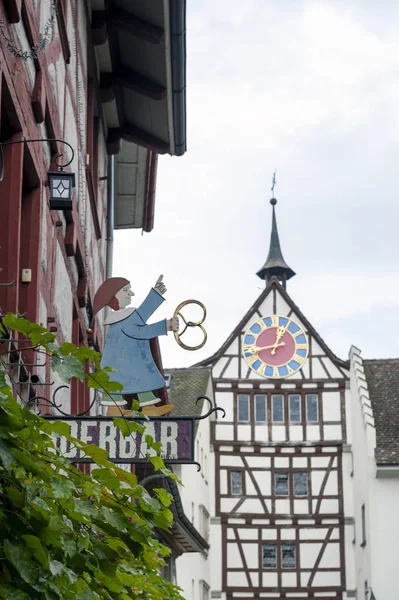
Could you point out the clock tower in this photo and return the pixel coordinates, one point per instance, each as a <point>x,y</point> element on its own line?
<point>281,460</point>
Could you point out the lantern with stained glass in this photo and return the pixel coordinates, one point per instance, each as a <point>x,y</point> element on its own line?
<point>61,185</point>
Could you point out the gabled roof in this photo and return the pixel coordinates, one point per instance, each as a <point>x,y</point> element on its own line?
<point>210,362</point>
<point>382,377</point>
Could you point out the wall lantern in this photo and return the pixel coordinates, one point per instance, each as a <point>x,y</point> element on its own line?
<point>61,182</point>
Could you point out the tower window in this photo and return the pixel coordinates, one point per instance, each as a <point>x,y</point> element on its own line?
<point>269,556</point>
<point>312,408</point>
<point>260,409</point>
<point>288,559</point>
<point>295,409</point>
<point>281,484</point>
<point>243,408</point>
<point>236,483</point>
<point>300,484</point>
<point>277,409</point>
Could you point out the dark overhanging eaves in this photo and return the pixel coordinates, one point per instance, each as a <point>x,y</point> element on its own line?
<point>177,15</point>
<point>188,526</point>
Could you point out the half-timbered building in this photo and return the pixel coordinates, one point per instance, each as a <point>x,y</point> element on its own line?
<point>282,526</point>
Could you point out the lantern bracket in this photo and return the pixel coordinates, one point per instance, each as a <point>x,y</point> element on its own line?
<point>25,141</point>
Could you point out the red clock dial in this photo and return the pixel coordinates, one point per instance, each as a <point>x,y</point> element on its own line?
<point>279,353</point>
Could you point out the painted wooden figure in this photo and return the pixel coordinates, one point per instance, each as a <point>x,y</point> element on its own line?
<point>127,345</point>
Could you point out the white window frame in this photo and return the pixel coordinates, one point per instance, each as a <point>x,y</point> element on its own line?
<point>275,484</point>
<point>275,556</point>
<point>255,408</point>
<point>282,406</point>
<point>317,406</point>
<point>231,483</point>
<point>292,545</point>
<point>300,409</point>
<point>239,396</point>
<point>293,484</point>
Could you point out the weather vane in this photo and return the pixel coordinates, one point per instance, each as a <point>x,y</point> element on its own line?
<point>274,181</point>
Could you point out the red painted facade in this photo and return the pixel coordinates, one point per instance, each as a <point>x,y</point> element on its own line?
<point>52,95</point>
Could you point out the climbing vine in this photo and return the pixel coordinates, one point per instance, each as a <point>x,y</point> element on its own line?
<point>65,534</point>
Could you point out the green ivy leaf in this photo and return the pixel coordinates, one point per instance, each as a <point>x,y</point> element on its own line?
<point>68,367</point>
<point>62,488</point>
<point>16,497</point>
<point>19,557</point>
<point>157,462</point>
<point>34,544</point>
<point>6,455</point>
<point>128,427</point>
<point>164,496</point>
<point>99,455</point>
<point>157,446</point>
<point>38,334</point>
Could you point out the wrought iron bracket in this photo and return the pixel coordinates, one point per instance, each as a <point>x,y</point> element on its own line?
<point>25,141</point>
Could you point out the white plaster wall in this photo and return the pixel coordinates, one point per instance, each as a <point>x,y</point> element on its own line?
<point>382,545</point>
<point>63,296</point>
<point>198,489</point>
<point>363,444</point>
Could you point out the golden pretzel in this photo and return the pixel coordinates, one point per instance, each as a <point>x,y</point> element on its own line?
<point>178,334</point>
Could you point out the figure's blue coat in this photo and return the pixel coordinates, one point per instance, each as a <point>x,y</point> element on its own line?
<point>127,348</point>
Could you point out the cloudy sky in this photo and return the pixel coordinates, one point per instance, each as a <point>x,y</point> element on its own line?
<point>310,88</point>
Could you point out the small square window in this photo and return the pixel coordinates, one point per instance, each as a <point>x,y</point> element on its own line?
<point>236,483</point>
<point>260,409</point>
<point>278,409</point>
<point>269,556</point>
<point>288,560</point>
<point>281,484</point>
<point>243,408</point>
<point>295,409</point>
<point>312,408</point>
<point>300,484</point>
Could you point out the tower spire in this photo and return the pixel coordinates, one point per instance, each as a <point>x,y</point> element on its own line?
<point>275,266</point>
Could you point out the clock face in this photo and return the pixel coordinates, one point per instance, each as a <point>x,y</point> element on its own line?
<point>275,347</point>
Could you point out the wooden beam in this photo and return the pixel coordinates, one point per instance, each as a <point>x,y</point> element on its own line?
<point>99,28</point>
<point>131,133</point>
<point>107,87</point>
<point>13,8</point>
<point>38,99</point>
<point>114,141</point>
<point>122,19</point>
<point>128,78</point>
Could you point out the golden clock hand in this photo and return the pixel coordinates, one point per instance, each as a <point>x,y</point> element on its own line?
<point>279,334</point>
<point>255,349</point>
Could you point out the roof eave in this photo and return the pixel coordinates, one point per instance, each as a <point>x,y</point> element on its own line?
<point>177,11</point>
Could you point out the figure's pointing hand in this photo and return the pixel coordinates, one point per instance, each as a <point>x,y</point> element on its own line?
<point>160,287</point>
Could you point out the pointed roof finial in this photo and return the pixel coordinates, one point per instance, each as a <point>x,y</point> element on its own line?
<point>275,266</point>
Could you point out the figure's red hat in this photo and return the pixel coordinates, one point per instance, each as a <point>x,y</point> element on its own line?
<point>107,291</point>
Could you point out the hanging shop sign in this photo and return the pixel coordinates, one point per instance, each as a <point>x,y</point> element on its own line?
<point>175,435</point>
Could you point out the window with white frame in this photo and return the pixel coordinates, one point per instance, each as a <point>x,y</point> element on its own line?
<point>288,556</point>
<point>312,408</point>
<point>277,409</point>
<point>204,591</point>
<point>203,522</point>
<point>236,483</point>
<point>295,408</point>
<point>260,408</point>
<point>243,408</point>
<point>281,485</point>
<point>300,484</point>
<point>269,556</point>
